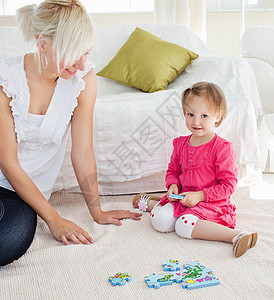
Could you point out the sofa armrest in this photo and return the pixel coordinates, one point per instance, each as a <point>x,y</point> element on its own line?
<point>257,42</point>
<point>264,74</point>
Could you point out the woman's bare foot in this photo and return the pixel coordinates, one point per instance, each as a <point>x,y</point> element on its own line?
<point>151,203</point>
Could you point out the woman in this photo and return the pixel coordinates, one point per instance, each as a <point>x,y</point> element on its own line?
<point>42,96</point>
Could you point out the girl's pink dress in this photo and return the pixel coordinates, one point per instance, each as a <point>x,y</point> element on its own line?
<point>210,167</point>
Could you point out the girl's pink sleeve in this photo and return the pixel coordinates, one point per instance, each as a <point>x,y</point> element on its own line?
<point>226,174</point>
<point>174,169</point>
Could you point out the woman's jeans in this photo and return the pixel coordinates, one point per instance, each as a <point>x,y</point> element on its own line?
<point>17,226</point>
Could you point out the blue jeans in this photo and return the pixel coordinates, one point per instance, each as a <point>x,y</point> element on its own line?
<point>17,226</point>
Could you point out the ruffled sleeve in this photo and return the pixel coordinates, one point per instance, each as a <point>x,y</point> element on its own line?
<point>9,76</point>
<point>5,81</point>
<point>79,76</point>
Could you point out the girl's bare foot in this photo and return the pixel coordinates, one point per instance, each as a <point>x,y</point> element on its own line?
<point>152,200</point>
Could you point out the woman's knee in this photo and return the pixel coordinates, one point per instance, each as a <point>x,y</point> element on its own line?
<point>162,217</point>
<point>18,225</point>
<point>185,225</point>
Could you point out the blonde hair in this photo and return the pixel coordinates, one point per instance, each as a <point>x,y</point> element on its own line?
<point>65,24</point>
<point>214,97</point>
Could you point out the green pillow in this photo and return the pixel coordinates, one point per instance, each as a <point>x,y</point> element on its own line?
<point>147,62</point>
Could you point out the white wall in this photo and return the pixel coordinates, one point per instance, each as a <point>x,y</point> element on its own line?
<point>101,19</point>
<point>125,18</point>
<point>223,29</point>
<point>223,32</point>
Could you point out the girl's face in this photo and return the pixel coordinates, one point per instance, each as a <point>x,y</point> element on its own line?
<point>200,120</point>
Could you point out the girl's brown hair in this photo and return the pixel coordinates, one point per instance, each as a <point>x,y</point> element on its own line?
<point>214,97</point>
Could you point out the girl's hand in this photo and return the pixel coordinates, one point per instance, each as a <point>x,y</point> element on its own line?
<point>192,198</point>
<point>114,216</point>
<point>64,231</point>
<point>173,189</point>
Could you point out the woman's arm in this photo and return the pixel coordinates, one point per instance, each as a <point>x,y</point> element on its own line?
<point>21,182</point>
<point>82,155</point>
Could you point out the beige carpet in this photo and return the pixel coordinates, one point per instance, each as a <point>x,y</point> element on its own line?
<point>50,270</point>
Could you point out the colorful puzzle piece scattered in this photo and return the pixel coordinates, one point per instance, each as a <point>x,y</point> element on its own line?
<point>157,280</point>
<point>193,275</point>
<point>171,265</point>
<point>175,196</point>
<point>176,276</point>
<point>119,278</point>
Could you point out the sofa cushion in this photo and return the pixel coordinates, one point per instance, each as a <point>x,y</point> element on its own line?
<point>147,62</point>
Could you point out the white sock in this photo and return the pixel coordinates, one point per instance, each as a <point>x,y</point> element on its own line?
<point>238,236</point>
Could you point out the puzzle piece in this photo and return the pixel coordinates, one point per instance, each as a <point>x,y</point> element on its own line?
<point>171,265</point>
<point>195,275</point>
<point>176,276</point>
<point>119,278</point>
<point>175,196</point>
<point>193,266</point>
<point>157,280</point>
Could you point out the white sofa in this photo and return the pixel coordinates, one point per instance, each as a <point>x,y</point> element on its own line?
<point>133,130</point>
<point>257,47</point>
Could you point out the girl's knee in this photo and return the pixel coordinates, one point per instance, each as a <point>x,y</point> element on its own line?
<point>185,225</point>
<point>162,218</point>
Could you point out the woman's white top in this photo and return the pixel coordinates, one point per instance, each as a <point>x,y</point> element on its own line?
<point>41,138</point>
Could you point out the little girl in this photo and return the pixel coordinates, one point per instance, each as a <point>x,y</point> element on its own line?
<point>202,168</point>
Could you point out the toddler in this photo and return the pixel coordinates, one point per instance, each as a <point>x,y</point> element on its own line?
<point>202,168</point>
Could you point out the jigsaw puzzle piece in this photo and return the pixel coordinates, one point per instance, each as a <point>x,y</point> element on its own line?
<point>119,278</point>
<point>175,196</point>
<point>176,276</point>
<point>171,265</point>
<point>158,280</point>
<point>195,275</point>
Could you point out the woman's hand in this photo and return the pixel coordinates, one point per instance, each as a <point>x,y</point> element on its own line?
<point>64,231</point>
<point>192,198</point>
<point>114,216</point>
<point>173,189</point>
